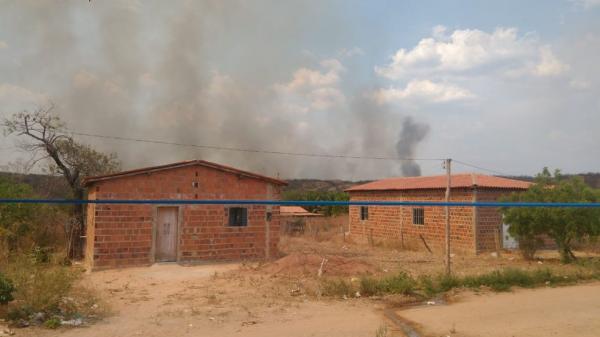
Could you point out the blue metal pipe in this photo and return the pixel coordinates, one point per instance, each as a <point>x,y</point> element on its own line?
<point>301,203</point>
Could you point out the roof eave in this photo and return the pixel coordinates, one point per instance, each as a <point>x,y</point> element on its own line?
<point>91,180</point>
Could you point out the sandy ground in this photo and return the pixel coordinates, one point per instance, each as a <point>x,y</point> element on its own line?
<point>280,298</point>
<point>568,311</point>
<point>213,300</point>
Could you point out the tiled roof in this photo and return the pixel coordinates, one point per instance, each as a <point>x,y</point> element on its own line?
<point>295,211</point>
<point>89,180</point>
<point>436,182</point>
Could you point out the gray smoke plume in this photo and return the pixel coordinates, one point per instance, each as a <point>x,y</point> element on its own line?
<point>197,72</point>
<point>411,135</point>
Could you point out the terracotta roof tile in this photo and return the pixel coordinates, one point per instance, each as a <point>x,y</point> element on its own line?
<point>295,211</point>
<point>89,180</point>
<point>436,182</point>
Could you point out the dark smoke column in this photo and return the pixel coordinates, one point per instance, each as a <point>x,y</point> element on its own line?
<point>411,134</point>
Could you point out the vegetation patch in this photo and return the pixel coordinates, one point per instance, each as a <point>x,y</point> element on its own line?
<point>45,293</point>
<point>566,226</point>
<point>401,283</point>
<point>429,286</point>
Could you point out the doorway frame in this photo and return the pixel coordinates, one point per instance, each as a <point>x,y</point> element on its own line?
<point>155,228</point>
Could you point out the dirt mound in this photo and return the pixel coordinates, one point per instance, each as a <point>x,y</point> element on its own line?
<point>298,264</point>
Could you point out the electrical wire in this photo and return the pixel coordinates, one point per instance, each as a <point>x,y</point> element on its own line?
<point>482,168</point>
<point>224,148</point>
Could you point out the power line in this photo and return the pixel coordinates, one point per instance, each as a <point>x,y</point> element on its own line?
<point>482,168</point>
<point>224,148</point>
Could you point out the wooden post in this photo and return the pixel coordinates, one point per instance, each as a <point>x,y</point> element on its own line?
<point>401,227</point>
<point>498,239</point>
<point>448,162</point>
<point>267,240</point>
<point>268,209</point>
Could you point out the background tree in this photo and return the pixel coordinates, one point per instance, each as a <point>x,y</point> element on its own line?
<point>15,219</point>
<point>45,138</point>
<point>24,227</point>
<point>320,196</point>
<point>565,226</point>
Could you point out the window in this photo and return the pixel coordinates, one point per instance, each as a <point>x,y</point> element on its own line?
<point>238,216</point>
<point>418,216</point>
<point>269,216</point>
<point>364,212</point>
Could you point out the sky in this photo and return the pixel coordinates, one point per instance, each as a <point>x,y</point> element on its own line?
<point>507,86</point>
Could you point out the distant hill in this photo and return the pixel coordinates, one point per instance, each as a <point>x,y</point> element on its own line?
<point>591,179</point>
<point>318,185</point>
<point>44,186</point>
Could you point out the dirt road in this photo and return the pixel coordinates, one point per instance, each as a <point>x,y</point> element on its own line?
<point>569,311</point>
<point>212,300</point>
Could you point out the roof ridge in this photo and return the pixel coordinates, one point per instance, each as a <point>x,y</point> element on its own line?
<point>460,180</point>
<point>216,166</point>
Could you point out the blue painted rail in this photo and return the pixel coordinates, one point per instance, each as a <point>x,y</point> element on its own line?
<point>299,203</point>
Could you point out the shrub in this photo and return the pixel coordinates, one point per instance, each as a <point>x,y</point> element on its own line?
<point>40,255</point>
<point>565,226</point>
<point>369,286</point>
<point>6,289</point>
<point>427,286</point>
<point>447,282</point>
<point>338,287</point>
<point>528,246</point>
<point>40,288</point>
<point>52,323</point>
<point>401,283</point>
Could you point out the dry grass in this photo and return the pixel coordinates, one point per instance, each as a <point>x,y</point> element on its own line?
<point>49,290</point>
<point>391,259</point>
<point>420,273</point>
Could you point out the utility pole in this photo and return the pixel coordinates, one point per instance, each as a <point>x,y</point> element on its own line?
<point>447,164</point>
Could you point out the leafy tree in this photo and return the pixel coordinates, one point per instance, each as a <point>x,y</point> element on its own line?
<point>27,226</point>
<point>15,219</point>
<point>565,225</point>
<point>47,141</point>
<point>320,196</point>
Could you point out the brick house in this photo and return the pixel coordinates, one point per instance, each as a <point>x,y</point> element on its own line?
<point>472,229</point>
<point>120,235</point>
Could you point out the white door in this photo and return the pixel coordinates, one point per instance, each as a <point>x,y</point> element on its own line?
<point>508,241</point>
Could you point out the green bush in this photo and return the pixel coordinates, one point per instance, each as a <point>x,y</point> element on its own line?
<point>369,286</point>
<point>427,285</point>
<point>40,287</point>
<point>6,289</point>
<point>40,255</point>
<point>447,282</point>
<point>566,226</point>
<point>497,280</point>
<point>338,287</point>
<point>52,323</point>
<point>401,283</point>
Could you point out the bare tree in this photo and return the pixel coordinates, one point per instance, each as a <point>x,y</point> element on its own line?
<point>48,143</point>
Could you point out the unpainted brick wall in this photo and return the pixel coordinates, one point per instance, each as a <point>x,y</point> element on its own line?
<point>396,223</point>
<point>122,235</point>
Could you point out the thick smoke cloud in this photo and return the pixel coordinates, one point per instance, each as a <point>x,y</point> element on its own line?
<point>411,135</point>
<point>210,72</point>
